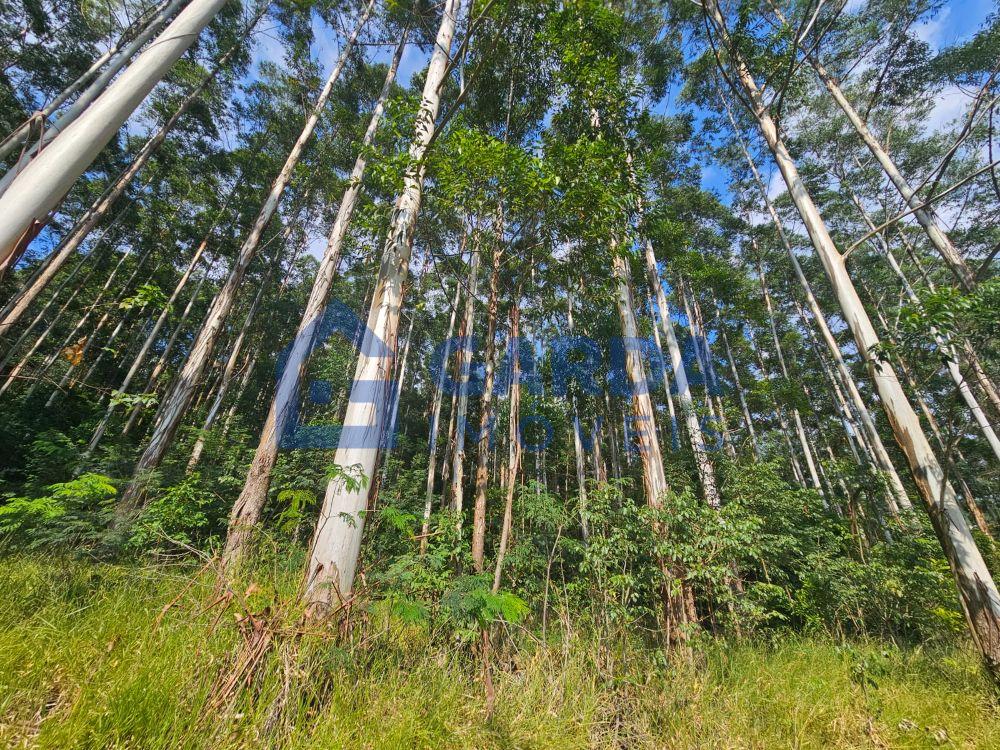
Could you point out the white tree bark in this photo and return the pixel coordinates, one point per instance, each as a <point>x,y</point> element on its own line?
<point>246,511</point>
<point>706,472</point>
<point>435,421</point>
<point>96,213</point>
<point>119,55</point>
<point>337,540</point>
<point>41,185</point>
<point>465,369</point>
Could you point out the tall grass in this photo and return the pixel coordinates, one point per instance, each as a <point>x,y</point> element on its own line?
<point>92,656</point>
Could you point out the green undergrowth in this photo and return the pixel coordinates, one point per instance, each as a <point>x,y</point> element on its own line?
<point>112,656</point>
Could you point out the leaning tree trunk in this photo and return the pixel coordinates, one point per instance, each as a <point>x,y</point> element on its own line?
<point>173,408</point>
<point>245,513</point>
<point>96,213</point>
<point>227,377</point>
<point>119,56</point>
<point>977,591</point>
<point>883,459</point>
<point>943,344</point>
<point>337,540</point>
<point>41,185</point>
<point>796,417</point>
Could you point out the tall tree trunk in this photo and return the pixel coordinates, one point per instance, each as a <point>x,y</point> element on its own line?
<point>514,438</point>
<point>96,213</point>
<point>227,377</point>
<point>977,592</point>
<point>654,477</point>
<point>744,407</point>
<point>925,215</point>
<point>119,55</point>
<point>337,540</point>
<point>245,513</point>
<point>465,369</point>
<point>943,343</point>
<point>436,419</point>
<point>486,411</point>
<point>796,417</point>
<point>174,406</point>
<point>41,185</point>
<point>706,472</point>
<point>580,462</point>
<point>161,363</point>
<point>151,337</point>
<point>883,459</point>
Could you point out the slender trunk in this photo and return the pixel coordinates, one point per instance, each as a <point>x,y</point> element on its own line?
<point>868,423</point>
<point>96,213</point>
<point>337,540</point>
<point>151,337</point>
<point>15,372</point>
<point>977,591</point>
<point>706,472</point>
<point>942,341</point>
<point>925,216</point>
<point>41,185</point>
<point>435,421</point>
<point>227,377</point>
<point>796,417</point>
<point>580,462</point>
<point>245,513</point>
<point>161,363</point>
<point>484,439</point>
<point>744,407</point>
<point>174,406</point>
<point>465,369</point>
<point>654,477</point>
<point>119,56</point>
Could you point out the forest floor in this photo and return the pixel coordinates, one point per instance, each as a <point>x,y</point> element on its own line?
<point>106,656</point>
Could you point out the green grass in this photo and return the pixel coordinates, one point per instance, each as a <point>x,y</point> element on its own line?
<point>87,661</point>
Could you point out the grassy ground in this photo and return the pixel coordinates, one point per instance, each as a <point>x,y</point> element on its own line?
<point>89,658</point>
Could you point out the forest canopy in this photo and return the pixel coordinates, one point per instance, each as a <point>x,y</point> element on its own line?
<point>369,366</point>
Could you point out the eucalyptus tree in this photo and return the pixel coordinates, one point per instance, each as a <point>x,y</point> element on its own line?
<point>71,242</point>
<point>337,539</point>
<point>173,408</point>
<point>40,185</point>
<point>977,592</point>
<point>246,512</point>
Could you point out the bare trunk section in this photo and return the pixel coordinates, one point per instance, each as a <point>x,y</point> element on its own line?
<point>118,58</point>
<point>484,439</point>
<point>706,472</point>
<point>96,213</point>
<point>514,439</point>
<point>337,540</point>
<point>654,477</point>
<point>883,460</point>
<point>796,417</point>
<point>943,343</point>
<point>425,528</point>
<point>465,368</point>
